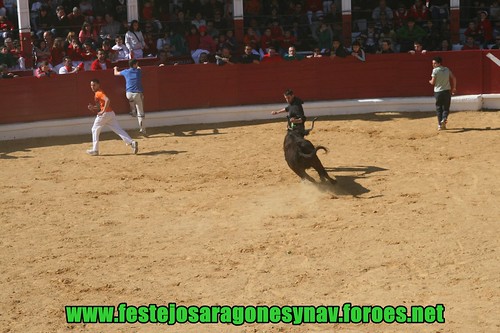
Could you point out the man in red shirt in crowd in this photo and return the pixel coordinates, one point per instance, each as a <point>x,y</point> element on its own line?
<point>101,63</point>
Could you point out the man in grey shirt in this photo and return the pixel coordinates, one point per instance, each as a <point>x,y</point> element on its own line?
<point>445,85</point>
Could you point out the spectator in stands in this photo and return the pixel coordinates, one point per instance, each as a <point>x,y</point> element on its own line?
<point>88,54</point>
<point>44,21</point>
<point>211,7</point>
<point>35,12</point>
<point>371,39</point>
<point>199,21</point>
<point>61,24</point>
<point>48,37</point>
<point>134,40</point>
<point>314,8</point>
<point>164,58</point>
<point>419,12</point>
<point>252,9</point>
<point>191,7</point>
<point>496,46</point>
<point>400,16</point>
<point>178,46</point>
<point>271,55</point>
<point>386,47</point>
<point>41,51</point>
<point>248,57</point>
<point>5,74</point>
<point>44,70</point>
<point>292,55</point>
<point>439,10</point>
<point>74,50</point>
<point>408,34</point>
<point>6,58</point>
<point>76,19</point>
<point>231,40</point>
<point>6,27</point>
<point>87,9</point>
<point>203,58</point>
<point>332,12</point>
<point>266,40</point>
<point>325,36</point>
<point>69,39</point>
<point>220,22</point>
<point>68,67</point>
<point>432,36</point>
<point>485,29</point>
<point>150,41</point>
<point>287,41</point>
<point>316,54</point>
<point>57,53</point>
<point>211,30</point>
<point>206,41</point>
<point>472,31</point>
<point>87,34</point>
<point>251,38</point>
<point>417,48</point>
<point>382,10</point>
<point>101,63</point>
<point>181,25</point>
<point>301,19</point>
<point>225,57</point>
<point>111,54</point>
<point>470,44</point>
<point>383,23</point>
<point>164,39</point>
<point>495,11</point>
<point>221,43</point>
<point>445,45</point>
<point>193,39</point>
<point>122,52</point>
<point>120,10</point>
<point>337,50</point>
<point>358,52</point>
<point>111,29</point>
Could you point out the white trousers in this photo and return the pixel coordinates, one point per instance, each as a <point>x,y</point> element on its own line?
<point>107,119</point>
<point>136,101</point>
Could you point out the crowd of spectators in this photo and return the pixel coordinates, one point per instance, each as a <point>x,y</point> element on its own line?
<point>91,34</point>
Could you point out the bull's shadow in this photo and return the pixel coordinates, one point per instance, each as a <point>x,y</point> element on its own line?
<point>346,184</point>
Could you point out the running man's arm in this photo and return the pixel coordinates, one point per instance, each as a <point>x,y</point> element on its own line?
<point>106,104</point>
<point>116,71</point>
<point>279,111</point>
<point>453,81</point>
<point>432,81</point>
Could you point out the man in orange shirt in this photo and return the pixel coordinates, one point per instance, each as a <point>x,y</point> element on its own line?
<point>105,116</point>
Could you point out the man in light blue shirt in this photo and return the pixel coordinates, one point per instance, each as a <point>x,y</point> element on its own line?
<point>134,91</point>
<point>445,85</point>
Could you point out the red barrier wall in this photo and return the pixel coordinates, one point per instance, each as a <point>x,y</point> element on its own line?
<point>198,86</point>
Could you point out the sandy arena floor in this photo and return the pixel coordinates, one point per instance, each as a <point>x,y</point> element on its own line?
<point>211,214</point>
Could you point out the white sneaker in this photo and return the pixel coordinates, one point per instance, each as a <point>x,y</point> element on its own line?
<point>93,152</point>
<point>143,132</point>
<point>135,147</point>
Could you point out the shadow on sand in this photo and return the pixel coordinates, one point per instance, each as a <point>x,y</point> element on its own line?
<point>347,184</point>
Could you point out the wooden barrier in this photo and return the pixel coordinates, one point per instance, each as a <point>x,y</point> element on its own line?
<point>180,87</point>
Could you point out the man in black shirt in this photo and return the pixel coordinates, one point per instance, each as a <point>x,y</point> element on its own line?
<point>296,117</point>
<point>248,57</point>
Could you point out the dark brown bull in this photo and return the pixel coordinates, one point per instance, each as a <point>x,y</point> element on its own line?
<point>300,154</point>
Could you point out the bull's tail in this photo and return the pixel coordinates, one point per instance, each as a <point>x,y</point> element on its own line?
<point>321,148</point>
<point>314,152</point>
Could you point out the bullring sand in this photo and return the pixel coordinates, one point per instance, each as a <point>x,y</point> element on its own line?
<point>211,214</point>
